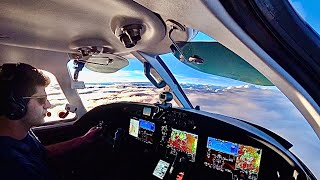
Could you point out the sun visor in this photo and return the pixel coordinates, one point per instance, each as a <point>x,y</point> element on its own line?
<point>214,58</point>
<point>106,63</point>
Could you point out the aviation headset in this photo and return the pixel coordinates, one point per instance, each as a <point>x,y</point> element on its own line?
<point>12,106</point>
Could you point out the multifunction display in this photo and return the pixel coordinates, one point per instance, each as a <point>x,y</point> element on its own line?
<point>181,141</point>
<point>142,130</point>
<point>240,160</point>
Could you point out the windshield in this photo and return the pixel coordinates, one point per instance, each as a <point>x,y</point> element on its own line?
<point>128,84</point>
<point>262,105</point>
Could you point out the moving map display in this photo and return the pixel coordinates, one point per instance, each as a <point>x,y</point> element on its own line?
<point>142,130</point>
<point>238,159</point>
<point>182,141</point>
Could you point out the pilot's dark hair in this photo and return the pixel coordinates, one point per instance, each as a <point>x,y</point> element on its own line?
<point>19,80</point>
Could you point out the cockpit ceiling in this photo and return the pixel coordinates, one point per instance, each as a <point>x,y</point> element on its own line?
<point>64,26</point>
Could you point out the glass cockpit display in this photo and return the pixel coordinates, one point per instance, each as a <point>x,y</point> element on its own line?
<point>181,141</point>
<point>238,159</point>
<point>142,130</point>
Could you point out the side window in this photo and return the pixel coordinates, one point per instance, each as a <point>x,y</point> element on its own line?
<point>56,98</point>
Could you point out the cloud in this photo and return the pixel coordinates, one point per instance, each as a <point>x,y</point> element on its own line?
<point>119,76</point>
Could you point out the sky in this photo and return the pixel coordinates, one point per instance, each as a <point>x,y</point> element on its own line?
<point>309,10</point>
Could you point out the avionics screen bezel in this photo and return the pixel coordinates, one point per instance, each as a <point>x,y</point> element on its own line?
<point>142,130</point>
<point>175,148</point>
<point>227,156</point>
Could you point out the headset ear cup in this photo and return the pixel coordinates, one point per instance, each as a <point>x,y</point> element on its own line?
<point>16,108</point>
<point>13,108</point>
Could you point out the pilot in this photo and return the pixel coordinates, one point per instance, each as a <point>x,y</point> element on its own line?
<point>23,105</point>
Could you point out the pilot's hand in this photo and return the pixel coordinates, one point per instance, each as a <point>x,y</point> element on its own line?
<point>92,134</point>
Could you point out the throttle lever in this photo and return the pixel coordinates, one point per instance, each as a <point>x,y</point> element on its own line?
<point>117,140</point>
<point>105,134</point>
<point>104,126</point>
<point>100,124</point>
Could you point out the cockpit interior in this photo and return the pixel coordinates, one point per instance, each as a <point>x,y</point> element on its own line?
<point>143,140</point>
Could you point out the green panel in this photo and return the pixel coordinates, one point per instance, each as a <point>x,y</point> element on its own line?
<point>220,61</point>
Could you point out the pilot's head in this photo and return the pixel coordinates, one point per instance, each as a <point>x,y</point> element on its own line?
<point>22,94</point>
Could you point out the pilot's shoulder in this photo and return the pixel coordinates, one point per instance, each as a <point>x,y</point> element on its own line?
<point>11,149</point>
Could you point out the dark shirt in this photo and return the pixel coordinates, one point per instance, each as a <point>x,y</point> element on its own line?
<point>23,159</point>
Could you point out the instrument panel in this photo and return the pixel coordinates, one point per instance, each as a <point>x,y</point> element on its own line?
<point>178,144</point>
<point>241,161</point>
